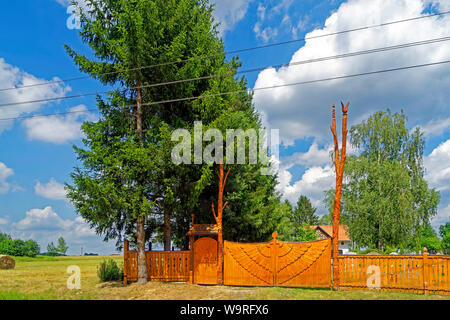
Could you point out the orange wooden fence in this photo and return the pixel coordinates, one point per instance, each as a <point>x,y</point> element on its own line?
<point>161,265</point>
<point>278,263</point>
<point>409,273</point>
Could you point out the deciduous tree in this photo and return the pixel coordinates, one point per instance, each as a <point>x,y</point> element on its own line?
<point>386,200</point>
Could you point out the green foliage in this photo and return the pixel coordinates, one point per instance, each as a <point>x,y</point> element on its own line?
<point>304,234</point>
<point>62,246</point>
<point>429,239</point>
<point>109,271</point>
<point>124,176</point>
<point>18,248</point>
<point>4,236</point>
<point>52,250</point>
<point>385,198</point>
<point>444,231</point>
<point>304,213</point>
<point>327,220</point>
<point>59,250</point>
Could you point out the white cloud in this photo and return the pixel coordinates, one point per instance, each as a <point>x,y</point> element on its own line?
<point>42,219</point>
<point>265,34</point>
<point>45,226</point>
<point>5,173</point>
<point>57,129</point>
<point>4,221</point>
<point>436,127</point>
<point>229,13</point>
<point>442,217</point>
<point>314,182</point>
<point>313,157</point>
<point>10,77</point>
<point>437,166</point>
<point>51,190</point>
<point>305,111</point>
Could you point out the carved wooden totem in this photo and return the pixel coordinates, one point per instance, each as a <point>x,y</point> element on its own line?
<point>339,165</point>
<point>218,218</point>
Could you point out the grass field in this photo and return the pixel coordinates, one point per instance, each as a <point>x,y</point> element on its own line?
<point>45,278</point>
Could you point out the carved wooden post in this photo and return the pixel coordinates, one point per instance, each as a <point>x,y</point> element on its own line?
<point>191,249</point>
<point>126,247</point>
<point>274,254</point>
<point>425,271</point>
<point>218,218</point>
<point>339,165</point>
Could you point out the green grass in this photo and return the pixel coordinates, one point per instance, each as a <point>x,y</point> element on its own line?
<point>45,278</point>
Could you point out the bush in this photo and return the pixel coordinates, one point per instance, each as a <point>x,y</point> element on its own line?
<point>109,271</point>
<point>19,248</point>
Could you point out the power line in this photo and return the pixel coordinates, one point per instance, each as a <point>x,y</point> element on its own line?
<point>299,83</point>
<point>250,90</point>
<point>235,51</point>
<point>346,55</point>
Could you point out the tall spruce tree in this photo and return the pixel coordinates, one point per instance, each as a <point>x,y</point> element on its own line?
<point>304,213</point>
<point>128,185</point>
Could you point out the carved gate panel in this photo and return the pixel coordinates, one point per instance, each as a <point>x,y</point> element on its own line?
<point>278,263</point>
<point>205,261</point>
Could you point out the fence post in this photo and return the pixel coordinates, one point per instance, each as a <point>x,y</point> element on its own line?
<point>191,256</point>
<point>425,270</point>
<point>126,247</point>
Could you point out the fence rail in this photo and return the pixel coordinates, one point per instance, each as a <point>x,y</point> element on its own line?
<point>410,273</point>
<point>161,265</point>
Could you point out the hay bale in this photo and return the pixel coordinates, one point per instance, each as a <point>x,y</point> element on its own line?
<point>6,262</point>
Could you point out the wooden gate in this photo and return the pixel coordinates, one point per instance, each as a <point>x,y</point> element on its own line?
<point>205,261</point>
<point>278,263</point>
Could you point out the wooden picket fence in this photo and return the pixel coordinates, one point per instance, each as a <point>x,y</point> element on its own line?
<point>161,265</point>
<point>302,264</point>
<point>406,273</point>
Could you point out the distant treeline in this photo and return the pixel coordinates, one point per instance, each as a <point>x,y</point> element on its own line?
<point>18,248</point>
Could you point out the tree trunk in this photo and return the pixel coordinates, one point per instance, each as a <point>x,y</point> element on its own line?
<point>142,263</point>
<point>140,234</point>
<point>167,230</point>
<point>339,165</point>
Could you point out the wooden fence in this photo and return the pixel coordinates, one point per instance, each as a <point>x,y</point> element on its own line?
<point>278,263</point>
<point>409,273</point>
<point>161,265</point>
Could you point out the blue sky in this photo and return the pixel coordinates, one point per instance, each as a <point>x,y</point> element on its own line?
<point>36,155</point>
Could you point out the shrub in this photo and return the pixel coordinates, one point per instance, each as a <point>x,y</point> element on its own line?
<point>109,271</point>
<point>18,248</point>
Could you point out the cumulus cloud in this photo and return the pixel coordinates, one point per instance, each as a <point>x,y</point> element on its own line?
<point>436,127</point>
<point>10,77</point>
<point>4,221</point>
<point>229,13</point>
<point>58,129</point>
<point>442,217</point>
<point>313,157</point>
<point>304,111</point>
<point>51,190</point>
<point>437,165</point>
<point>314,182</point>
<point>42,219</point>
<point>45,226</point>
<point>5,173</point>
